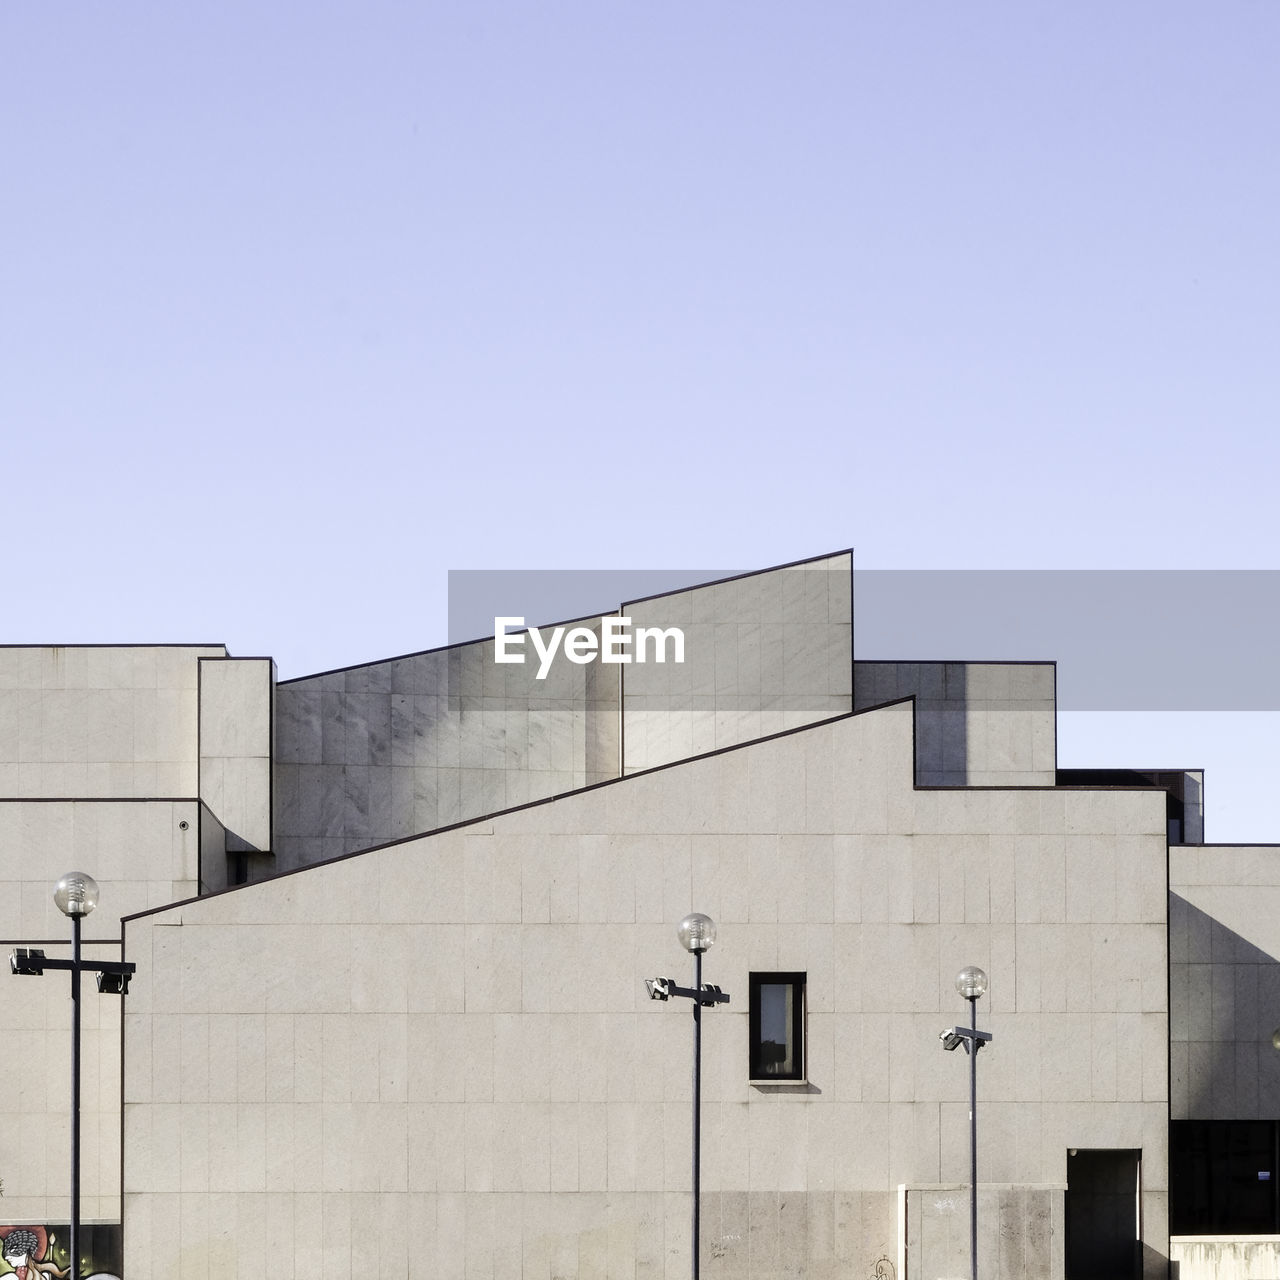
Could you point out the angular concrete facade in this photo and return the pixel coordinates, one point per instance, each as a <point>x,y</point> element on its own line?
<point>452,1035</point>
<point>392,926</point>
<point>100,765</point>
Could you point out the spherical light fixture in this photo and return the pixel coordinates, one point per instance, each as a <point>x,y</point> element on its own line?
<point>697,933</point>
<point>971,982</point>
<point>76,894</point>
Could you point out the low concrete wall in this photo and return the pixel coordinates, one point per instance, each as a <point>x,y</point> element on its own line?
<point>1225,1257</point>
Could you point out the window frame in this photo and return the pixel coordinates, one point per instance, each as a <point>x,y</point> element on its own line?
<point>798,980</point>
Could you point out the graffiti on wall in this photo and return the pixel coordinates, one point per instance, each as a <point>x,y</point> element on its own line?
<point>33,1252</point>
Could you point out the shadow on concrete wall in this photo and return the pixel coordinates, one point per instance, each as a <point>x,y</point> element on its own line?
<point>1224,1007</point>
<point>941,723</point>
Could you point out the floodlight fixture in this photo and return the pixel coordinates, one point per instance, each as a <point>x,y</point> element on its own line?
<point>659,988</point>
<point>114,984</point>
<point>27,960</point>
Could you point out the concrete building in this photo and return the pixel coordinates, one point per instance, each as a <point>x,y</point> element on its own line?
<point>392,924</point>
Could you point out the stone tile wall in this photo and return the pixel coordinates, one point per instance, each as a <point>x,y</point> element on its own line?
<point>450,1037</point>
<point>1224,982</point>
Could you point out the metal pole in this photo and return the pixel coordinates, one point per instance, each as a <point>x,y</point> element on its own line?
<point>75,1097</point>
<point>697,1105</point>
<point>973,1140</point>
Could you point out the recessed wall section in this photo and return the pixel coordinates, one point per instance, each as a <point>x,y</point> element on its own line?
<point>235,747</point>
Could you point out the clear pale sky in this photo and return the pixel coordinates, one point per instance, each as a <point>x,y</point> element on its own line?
<point>305,305</point>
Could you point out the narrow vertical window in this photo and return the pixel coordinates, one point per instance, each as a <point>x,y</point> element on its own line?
<point>777,1026</point>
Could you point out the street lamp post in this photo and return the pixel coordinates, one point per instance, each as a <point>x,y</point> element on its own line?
<point>971,982</point>
<point>76,895</point>
<point>697,934</point>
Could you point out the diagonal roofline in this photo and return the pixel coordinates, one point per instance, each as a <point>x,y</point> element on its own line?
<point>566,622</point>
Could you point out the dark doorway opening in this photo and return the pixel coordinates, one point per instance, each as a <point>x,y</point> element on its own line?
<point>1103,1219</point>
